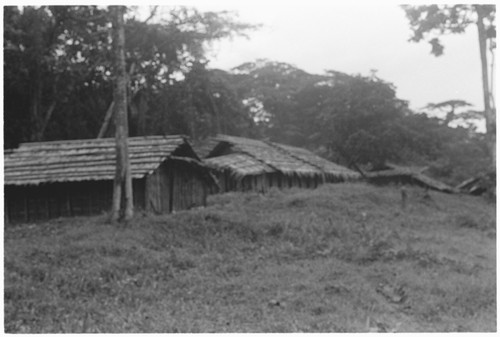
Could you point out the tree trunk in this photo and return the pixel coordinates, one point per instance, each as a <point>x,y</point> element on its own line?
<point>215,110</point>
<point>489,113</point>
<point>37,84</point>
<point>122,205</point>
<point>109,112</point>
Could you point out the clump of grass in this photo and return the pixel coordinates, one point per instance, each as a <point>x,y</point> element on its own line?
<point>470,221</point>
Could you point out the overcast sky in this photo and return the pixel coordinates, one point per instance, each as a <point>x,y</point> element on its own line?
<point>354,39</point>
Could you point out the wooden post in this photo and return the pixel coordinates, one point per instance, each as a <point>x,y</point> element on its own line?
<point>404,197</point>
<point>171,189</point>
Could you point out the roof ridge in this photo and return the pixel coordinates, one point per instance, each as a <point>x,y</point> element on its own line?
<point>276,146</point>
<point>97,140</point>
<point>261,161</point>
<point>226,138</point>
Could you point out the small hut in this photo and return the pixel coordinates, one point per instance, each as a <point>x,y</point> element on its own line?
<point>70,178</point>
<point>243,164</point>
<point>478,185</point>
<point>400,175</point>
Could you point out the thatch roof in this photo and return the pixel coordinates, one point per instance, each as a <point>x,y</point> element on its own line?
<point>324,165</point>
<point>204,147</point>
<point>251,157</point>
<point>240,164</point>
<point>479,184</point>
<point>91,159</point>
<point>401,172</point>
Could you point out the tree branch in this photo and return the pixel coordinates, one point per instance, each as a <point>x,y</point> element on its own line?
<point>46,120</point>
<point>151,15</point>
<point>105,124</point>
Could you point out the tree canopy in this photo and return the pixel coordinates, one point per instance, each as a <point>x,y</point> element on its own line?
<point>58,84</point>
<point>353,119</point>
<point>58,66</point>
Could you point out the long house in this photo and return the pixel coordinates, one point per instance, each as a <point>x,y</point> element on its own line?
<point>70,178</point>
<point>242,164</point>
<point>401,175</point>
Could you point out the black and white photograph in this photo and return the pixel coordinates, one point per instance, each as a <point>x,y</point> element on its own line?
<point>249,167</point>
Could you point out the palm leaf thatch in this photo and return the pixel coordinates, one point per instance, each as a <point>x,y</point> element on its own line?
<point>240,165</point>
<point>252,157</point>
<point>91,159</point>
<point>407,174</point>
<point>479,184</point>
<point>329,168</point>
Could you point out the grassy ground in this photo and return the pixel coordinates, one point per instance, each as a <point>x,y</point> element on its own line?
<point>340,258</point>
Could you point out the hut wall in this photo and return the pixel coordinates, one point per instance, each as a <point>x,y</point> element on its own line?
<point>41,202</point>
<point>158,190</point>
<point>175,186</point>
<point>152,194</point>
<point>138,187</point>
<point>66,199</point>
<point>188,188</point>
<point>263,182</point>
<point>225,180</point>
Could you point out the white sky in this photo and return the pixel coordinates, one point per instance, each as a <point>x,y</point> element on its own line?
<point>355,39</point>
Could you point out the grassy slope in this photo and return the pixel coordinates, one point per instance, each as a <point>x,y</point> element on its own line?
<point>340,258</point>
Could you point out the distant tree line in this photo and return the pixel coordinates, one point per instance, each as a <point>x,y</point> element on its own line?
<point>58,85</point>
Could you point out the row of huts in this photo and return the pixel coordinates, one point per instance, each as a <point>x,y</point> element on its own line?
<point>71,178</point>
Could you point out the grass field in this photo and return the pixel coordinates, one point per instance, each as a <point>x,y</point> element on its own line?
<point>343,257</point>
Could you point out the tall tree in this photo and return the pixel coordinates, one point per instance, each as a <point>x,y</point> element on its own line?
<point>428,22</point>
<point>54,59</point>
<point>58,83</point>
<point>268,89</point>
<point>122,207</point>
<point>453,110</point>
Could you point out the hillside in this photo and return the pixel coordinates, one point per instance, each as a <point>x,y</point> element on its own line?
<point>343,257</point>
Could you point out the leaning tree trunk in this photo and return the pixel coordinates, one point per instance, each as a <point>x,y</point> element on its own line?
<point>122,205</point>
<point>489,113</point>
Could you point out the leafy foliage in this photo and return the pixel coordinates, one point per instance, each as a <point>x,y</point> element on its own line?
<point>63,54</point>
<point>430,20</point>
<point>454,112</point>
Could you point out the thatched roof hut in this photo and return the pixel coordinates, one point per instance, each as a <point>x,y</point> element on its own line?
<point>396,174</point>
<point>478,185</point>
<point>249,164</point>
<point>65,178</point>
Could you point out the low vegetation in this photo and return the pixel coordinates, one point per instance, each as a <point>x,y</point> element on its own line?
<point>343,257</point>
